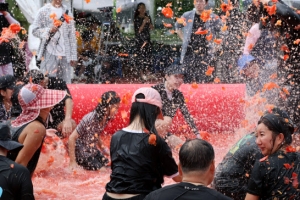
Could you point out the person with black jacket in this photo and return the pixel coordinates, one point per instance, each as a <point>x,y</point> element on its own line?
<point>173,99</point>
<point>15,180</point>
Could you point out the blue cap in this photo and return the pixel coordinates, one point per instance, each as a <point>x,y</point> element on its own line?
<point>245,60</point>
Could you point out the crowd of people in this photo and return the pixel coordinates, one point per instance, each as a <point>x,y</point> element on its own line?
<point>263,164</point>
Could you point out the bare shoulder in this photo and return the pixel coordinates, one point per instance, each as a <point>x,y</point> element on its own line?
<point>35,127</point>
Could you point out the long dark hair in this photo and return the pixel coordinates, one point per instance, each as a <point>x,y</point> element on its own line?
<point>136,12</point>
<point>36,76</point>
<point>147,113</point>
<point>107,99</point>
<point>278,122</point>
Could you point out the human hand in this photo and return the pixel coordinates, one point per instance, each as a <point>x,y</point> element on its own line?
<point>4,13</point>
<point>53,29</point>
<point>73,63</point>
<point>67,127</point>
<point>105,151</point>
<point>73,165</point>
<point>146,20</point>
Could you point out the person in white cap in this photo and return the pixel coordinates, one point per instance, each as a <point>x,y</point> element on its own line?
<point>139,156</point>
<point>29,127</point>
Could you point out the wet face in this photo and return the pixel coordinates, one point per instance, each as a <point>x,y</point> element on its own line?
<point>44,83</point>
<point>174,81</point>
<point>113,109</point>
<point>200,5</point>
<point>7,94</point>
<point>252,70</point>
<point>56,2</point>
<point>142,9</point>
<point>265,141</point>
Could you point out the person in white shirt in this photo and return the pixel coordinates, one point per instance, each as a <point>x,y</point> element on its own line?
<point>59,54</point>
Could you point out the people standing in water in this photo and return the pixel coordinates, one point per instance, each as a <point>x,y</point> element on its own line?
<point>276,176</point>
<point>29,127</point>
<point>142,26</point>
<point>139,156</point>
<point>85,141</point>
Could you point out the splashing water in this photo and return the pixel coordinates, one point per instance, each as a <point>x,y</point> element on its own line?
<point>54,180</point>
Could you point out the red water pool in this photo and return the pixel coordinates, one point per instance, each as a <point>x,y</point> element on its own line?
<point>54,180</point>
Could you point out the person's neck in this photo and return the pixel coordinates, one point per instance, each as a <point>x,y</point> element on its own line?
<point>142,15</point>
<point>7,104</point>
<point>168,88</point>
<point>136,125</point>
<point>199,12</point>
<point>56,5</point>
<point>44,115</point>
<point>197,179</point>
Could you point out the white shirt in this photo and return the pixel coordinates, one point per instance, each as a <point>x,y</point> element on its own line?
<point>56,45</point>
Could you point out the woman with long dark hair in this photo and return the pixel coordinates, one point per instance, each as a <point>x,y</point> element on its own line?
<point>85,141</point>
<point>139,156</point>
<point>276,175</point>
<point>142,27</point>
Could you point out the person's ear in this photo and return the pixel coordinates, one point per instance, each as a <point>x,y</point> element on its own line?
<point>2,92</point>
<point>280,137</point>
<point>179,169</point>
<point>166,76</point>
<point>212,167</point>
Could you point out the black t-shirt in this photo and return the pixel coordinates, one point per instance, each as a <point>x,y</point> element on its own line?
<point>138,167</point>
<point>198,43</point>
<point>186,191</point>
<point>232,174</point>
<point>58,111</point>
<point>276,177</point>
<point>170,106</point>
<point>15,180</point>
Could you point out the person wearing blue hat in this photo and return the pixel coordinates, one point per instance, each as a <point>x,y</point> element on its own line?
<point>259,61</point>
<point>15,180</point>
<point>172,100</point>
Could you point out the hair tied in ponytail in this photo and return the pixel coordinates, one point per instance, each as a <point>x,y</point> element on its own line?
<point>152,137</point>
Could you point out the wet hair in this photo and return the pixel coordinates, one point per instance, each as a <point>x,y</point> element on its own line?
<point>136,12</point>
<point>196,155</point>
<point>36,75</point>
<point>147,113</point>
<point>107,99</point>
<point>278,122</point>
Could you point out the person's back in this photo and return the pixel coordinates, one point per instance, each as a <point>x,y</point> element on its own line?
<point>197,168</point>
<point>15,180</point>
<point>141,166</point>
<point>183,191</point>
<point>232,174</point>
<point>139,156</point>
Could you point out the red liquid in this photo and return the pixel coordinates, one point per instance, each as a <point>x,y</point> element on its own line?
<point>54,180</point>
